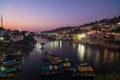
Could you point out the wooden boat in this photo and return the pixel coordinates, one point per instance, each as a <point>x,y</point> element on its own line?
<point>66,65</point>
<point>58,59</point>
<point>14,55</point>
<point>10,62</point>
<point>50,70</point>
<point>5,75</point>
<point>10,69</point>
<point>45,59</point>
<point>53,60</point>
<point>83,64</point>
<point>48,53</point>
<point>83,70</point>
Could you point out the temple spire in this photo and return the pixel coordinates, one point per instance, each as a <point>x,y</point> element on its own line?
<point>1,21</point>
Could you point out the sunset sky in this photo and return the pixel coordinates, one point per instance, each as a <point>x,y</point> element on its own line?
<point>39,15</point>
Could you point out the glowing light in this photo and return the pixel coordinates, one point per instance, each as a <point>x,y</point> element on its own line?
<point>26,34</point>
<point>1,38</point>
<point>81,36</point>
<point>119,23</point>
<point>2,68</point>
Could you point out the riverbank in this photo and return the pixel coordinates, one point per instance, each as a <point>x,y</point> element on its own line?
<point>110,45</point>
<point>103,44</point>
<point>11,56</point>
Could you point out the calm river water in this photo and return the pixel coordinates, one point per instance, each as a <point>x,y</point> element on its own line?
<point>103,60</point>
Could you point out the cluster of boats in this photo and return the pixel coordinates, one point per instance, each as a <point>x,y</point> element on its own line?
<point>83,70</point>
<point>50,57</point>
<point>9,65</point>
<point>59,66</point>
<point>55,68</point>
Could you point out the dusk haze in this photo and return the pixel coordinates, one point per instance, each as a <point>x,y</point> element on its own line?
<point>59,39</point>
<point>41,15</point>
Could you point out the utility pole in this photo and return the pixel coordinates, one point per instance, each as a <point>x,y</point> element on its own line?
<point>1,21</point>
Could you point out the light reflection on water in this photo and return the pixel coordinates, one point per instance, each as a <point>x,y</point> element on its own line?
<point>103,60</point>
<point>81,51</point>
<point>60,42</point>
<point>97,58</point>
<point>109,56</point>
<point>105,55</point>
<point>84,53</point>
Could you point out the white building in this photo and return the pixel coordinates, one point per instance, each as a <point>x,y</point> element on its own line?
<point>16,37</point>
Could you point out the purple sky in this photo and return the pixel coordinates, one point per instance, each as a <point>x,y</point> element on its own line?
<point>39,15</point>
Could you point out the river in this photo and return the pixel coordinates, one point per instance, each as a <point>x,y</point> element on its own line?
<point>103,60</point>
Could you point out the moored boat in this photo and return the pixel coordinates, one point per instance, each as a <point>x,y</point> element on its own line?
<point>66,65</point>
<point>10,69</point>
<point>5,75</point>
<point>48,53</point>
<point>14,55</point>
<point>50,70</point>
<point>10,62</point>
<point>53,60</point>
<point>83,70</point>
